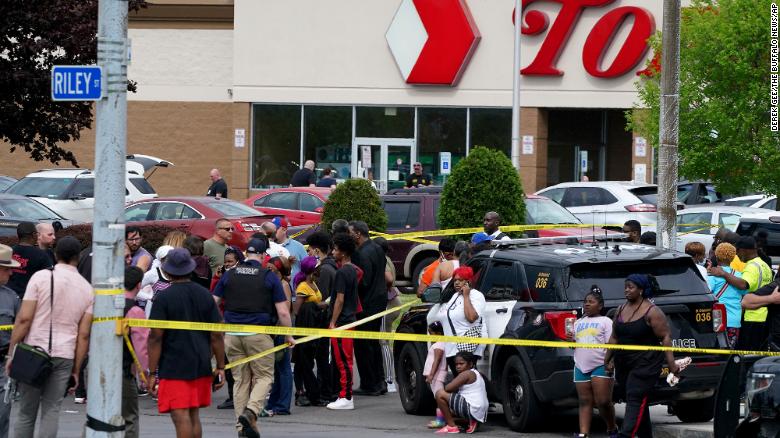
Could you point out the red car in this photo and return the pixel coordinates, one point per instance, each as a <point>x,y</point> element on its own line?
<point>198,215</point>
<point>300,205</point>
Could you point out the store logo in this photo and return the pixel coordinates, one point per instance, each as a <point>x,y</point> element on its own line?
<point>432,40</point>
<point>599,39</point>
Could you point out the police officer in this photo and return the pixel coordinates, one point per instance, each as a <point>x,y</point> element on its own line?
<point>253,296</point>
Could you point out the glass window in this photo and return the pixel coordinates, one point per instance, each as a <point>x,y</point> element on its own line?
<point>500,282</point>
<point>228,208</point>
<point>42,187</point>
<point>684,191</point>
<point>648,195</point>
<point>770,204</point>
<point>138,212</point>
<point>440,130</point>
<point>309,202</point>
<point>327,138</point>
<point>276,144</point>
<point>492,128</point>
<point>554,194</point>
<point>384,122</point>
<point>586,196</point>
<point>728,220</point>
<point>283,200</point>
<point>545,211</point>
<point>402,215</point>
<point>143,186</point>
<point>173,210</point>
<point>690,220</point>
<point>26,208</point>
<point>84,187</point>
<point>542,283</point>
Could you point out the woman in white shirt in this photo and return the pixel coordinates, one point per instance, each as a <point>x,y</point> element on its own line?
<point>465,397</point>
<point>463,312</point>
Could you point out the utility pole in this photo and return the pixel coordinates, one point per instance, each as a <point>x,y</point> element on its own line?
<point>104,385</point>
<point>669,126</point>
<point>516,87</point>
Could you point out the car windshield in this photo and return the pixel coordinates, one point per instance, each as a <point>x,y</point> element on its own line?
<point>674,277</point>
<point>546,211</point>
<point>42,187</point>
<point>228,208</point>
<point>143,186</point>
<point>26,209</point>
<point>648,195</point>
<point>741,202</point>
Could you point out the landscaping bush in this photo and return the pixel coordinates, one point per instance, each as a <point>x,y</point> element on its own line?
<point>483,181</point>
<point>355,200</point>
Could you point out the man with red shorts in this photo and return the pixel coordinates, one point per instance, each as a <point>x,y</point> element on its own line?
<point>181,359</point>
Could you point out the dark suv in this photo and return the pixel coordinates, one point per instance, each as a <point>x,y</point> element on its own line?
<point>536,292</point>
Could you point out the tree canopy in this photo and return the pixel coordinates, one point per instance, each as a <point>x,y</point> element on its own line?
<point>355,200</point>
<point>34,36</point>
<point>724,132</point>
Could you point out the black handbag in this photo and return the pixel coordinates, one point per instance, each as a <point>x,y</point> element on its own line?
<point>30,364</point>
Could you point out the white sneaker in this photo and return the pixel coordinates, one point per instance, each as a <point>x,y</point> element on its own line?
<point>80,400</point>
<point>391,387</point>
<point>341,404</point>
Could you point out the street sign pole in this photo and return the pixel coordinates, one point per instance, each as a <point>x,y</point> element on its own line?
<point>104,386</point>
<point>516,87</point>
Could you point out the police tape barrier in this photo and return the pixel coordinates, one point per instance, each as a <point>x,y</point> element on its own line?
<point>411,239</point>
<point>137,363</point>
<point>6,327</point>
<point>303,231</point>
<point>412,337</point>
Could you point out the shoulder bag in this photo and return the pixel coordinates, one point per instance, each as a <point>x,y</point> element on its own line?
<point>30,364</point>
<point>474,331</point>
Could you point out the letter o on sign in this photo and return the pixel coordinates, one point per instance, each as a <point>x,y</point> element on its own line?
<point>603,33</point>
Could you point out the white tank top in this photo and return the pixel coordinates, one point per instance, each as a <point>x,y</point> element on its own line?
<point>455,265</point>
<point>476,395</point>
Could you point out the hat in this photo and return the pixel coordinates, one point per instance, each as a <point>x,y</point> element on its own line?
<point>256,246</point>
<point>25,229</point>
<point>178,262</point>
<point>162,252</point>
<point>746,242</point>
<point>6,257</point>
<point>277,221</point>
<point>480,237</point>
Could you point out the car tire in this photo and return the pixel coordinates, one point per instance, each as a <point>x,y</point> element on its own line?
<point>521,408</point>
<point>416,396</point>
<point>695,411</point>
<point>418,268</point>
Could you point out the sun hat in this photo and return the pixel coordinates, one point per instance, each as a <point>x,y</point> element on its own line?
<point>179,262</point>
<point>6,257</point>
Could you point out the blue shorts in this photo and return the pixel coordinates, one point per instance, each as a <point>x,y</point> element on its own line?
<point>600,371</point>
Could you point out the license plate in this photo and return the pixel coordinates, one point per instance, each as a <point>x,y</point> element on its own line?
<point>703,316</point>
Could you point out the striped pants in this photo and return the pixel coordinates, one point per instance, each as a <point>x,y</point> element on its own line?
<point>342,357</point>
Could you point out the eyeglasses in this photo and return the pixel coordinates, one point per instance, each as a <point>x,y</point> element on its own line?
<point>227,229</point>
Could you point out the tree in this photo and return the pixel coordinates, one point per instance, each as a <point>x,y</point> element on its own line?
<point>725,132</point>
<point>355,200</point>
<point>483,181</point>
<point>37,35</point>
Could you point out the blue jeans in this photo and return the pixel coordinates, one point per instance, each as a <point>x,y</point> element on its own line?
<point>282,390</point>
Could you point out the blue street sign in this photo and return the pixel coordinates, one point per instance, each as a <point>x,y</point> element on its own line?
<point>76,82</point>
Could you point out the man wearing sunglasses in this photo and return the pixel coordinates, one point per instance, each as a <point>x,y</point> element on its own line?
<point>215,247</point>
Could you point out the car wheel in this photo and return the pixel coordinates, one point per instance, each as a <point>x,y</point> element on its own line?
<point>695,411</point>
<point>418,268</point>
<point>521,408</point>
<point>416,397</point>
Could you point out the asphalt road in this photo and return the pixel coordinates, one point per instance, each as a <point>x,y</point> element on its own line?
<point>373,417</point>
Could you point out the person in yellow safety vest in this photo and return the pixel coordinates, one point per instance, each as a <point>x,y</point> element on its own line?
<point>757,273</point>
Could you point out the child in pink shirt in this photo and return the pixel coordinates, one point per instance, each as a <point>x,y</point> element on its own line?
<point>435,370</point>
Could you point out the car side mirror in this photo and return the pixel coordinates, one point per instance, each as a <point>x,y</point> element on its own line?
<point>319,210</point>
<point>432,294</point>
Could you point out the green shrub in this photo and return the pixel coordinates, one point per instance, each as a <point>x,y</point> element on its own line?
<point>483,181</point>
<point>355,200</point>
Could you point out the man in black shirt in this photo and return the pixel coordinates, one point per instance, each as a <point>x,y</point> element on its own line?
<point>31,258</point>
<point>767,296</point>
<point>327,180</point>
<point>304,177</point>
<point>218,187</point>
<point>373,296</point>
<point>181,359</point>
<point>417,178</point>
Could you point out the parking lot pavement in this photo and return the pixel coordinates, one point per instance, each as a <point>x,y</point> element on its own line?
<point>372,417</point>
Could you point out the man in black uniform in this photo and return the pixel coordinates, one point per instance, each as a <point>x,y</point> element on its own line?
<point>767,296</point>
<point>304,177</point>
<point>218,187</point>
<point>31,258</point>
<point>372,290</point>
<point>416,178</point>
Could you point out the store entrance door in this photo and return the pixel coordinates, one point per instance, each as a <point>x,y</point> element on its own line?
<point>384,161</point>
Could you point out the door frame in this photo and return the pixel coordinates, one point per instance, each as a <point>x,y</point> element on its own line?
<point>383,144</point>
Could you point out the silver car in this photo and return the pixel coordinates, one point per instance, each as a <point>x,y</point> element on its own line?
<point>724,216</point>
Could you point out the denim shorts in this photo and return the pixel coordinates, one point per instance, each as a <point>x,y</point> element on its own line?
<point>600,371</point>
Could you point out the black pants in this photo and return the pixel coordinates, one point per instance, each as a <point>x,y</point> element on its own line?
<point>368,355</point>
<point>636,422</point>
<point>325,370</point>
<point>753,336</point>
<point>304,371</point>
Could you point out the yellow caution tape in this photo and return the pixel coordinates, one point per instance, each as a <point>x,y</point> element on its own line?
<point>109,291</point>
<point>141,373</point>
<point>107,318</point>
<point>303,231</point>
<point>411,239</point>
<point>6,327</point>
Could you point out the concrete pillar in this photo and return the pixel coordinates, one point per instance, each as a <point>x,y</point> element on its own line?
<point>642,166</point>
<point>240,165</point>
<point>533,167</point>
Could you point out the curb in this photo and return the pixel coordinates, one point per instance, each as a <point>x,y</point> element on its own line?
<point>677,431</point>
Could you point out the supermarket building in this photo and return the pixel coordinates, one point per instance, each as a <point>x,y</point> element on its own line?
<point>256,87</point>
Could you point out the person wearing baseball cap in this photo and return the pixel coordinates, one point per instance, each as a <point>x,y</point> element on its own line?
<point>31,258</point>
<point>9,307</point>
<point>181,359</point>
<point>252,295</point>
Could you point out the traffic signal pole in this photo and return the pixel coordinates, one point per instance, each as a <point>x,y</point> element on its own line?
<point>669,126</point>
<point>516,86</point>
<point>104,385</point>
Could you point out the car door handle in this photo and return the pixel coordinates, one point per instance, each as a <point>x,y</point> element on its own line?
<point>502,310</point>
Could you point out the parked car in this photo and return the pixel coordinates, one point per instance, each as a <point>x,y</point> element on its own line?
<point>15,209</point>
<point>197,215</point>
<point>697,192</point>
<point>535,292</point>
<point>71,192</point>
<point>769,221</point>
<point>607,202</point>
<point>301,205</point>
<point>725,216</point>
<point>755,201</point>
<point>6,181</point>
